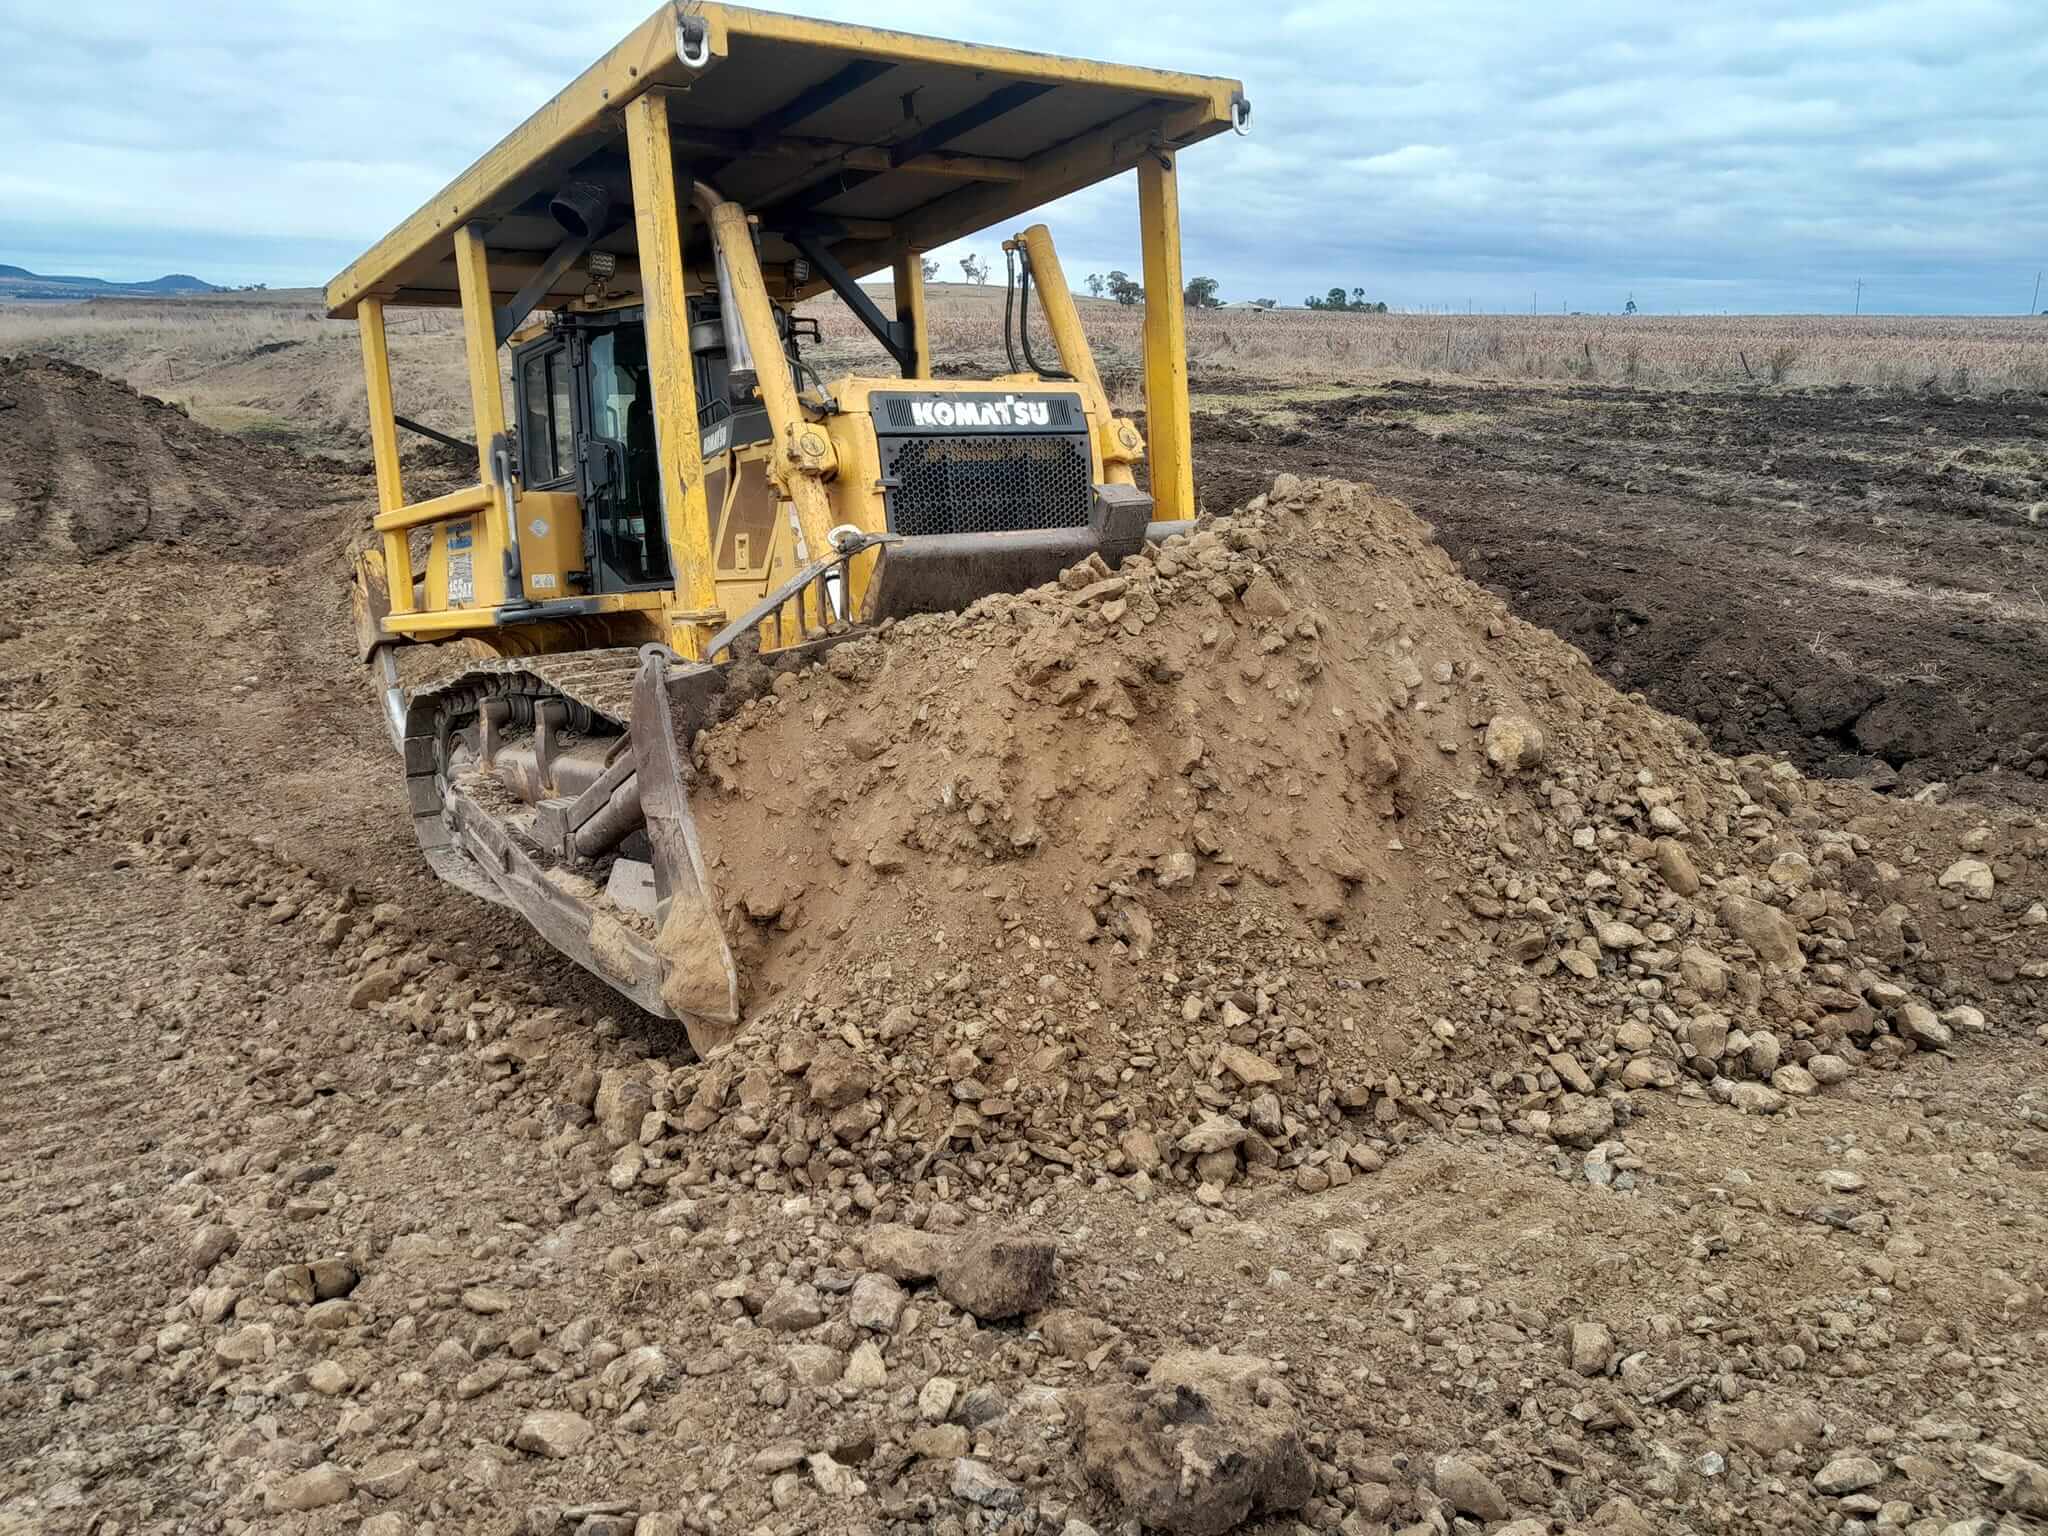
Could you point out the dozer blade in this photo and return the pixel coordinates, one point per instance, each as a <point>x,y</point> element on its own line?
<point>945,572</point>
<point>699,983</point>
<point>568,913</point>
<point>484,826</point>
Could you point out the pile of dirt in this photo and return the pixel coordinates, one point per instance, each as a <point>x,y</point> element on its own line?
<point>1268,849</point>
<point>88,466</point>
<point>172,621</point>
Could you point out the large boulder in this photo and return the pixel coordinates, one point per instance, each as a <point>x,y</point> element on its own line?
<point>836,1078</point>
<point>315,1488</point>
<point>2022,1483</point>
<point>1202,1443</point>
<point>1764,929</point>
<point>1513,744</point>
<point>905,1254</point>
<point>553,1433</point>
<point>999,1275</point>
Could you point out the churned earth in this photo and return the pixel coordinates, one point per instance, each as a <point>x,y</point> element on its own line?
<point>1262,1039</point>
<point>1853,578</point>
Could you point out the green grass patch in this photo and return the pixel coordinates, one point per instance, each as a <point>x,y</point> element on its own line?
<point>249,422</point>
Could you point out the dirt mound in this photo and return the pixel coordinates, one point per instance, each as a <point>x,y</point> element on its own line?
<point>88,466</point>
<point>1269,849</point>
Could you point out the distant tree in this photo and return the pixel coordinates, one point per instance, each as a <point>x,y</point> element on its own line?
<point>1380,308</point>
<point>1123,290</point>
<point>1266,303</point>
<point>1355,300</point>
<point>1201,293</point>
<point>974,269</point>
<point>1095,284</point>
<point>1630,307</point>
<point>930,266</point>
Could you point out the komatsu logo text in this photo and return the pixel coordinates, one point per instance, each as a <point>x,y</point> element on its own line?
<point>1010,411</point>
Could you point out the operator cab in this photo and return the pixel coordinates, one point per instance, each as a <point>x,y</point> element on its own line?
<point>584,407</point>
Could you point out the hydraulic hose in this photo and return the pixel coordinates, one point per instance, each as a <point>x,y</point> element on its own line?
<point>1010,294</point>
<point>1024,327</point>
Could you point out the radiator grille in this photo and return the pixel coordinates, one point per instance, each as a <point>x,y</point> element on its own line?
<point>985,484</point>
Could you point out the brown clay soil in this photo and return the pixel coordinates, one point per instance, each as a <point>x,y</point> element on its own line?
<point>1857,580</point>
<point>1555,1125</point>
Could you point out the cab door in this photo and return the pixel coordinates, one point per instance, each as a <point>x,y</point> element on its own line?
<point>616,465</point>
<point>551,556</point>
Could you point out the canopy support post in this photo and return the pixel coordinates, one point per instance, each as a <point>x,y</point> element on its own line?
<point>1166,339</point>
<point>487,409</point>
<point>909,286</point>
<point>384,448</point>
<point>685,519</point>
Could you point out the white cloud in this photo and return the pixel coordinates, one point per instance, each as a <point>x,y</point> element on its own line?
<point>1758,153</point>
<point>1408,160</point>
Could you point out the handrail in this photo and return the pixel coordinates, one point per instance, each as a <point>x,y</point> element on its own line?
<point>473,498</point>
<point>846,543</point>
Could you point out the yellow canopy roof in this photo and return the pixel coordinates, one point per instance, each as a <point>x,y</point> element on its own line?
<point>864,138</point>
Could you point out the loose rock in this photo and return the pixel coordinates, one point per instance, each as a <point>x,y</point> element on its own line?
<point>1000,1275</point>
<point>553,1433</point>
<point>1204,1441</point>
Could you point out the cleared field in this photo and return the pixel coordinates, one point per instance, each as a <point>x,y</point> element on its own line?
<point>1852,578</point>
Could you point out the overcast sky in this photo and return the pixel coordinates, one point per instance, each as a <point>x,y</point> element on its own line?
<point>1727,156</point>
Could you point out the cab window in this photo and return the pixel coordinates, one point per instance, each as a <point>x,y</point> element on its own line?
<point>547,426</point>
<point>625,492</point>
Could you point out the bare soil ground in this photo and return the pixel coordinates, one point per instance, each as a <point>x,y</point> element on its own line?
<point>332,1202</point>
<point>1857,580</point>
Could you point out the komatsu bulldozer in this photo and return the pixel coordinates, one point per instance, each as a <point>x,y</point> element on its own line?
<point>681,504</point>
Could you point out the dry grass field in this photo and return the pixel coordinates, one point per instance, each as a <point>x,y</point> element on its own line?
<point>271,365</point>
<point>1956,355</point>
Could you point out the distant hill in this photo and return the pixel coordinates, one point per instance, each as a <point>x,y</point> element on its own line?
<point>20,283</point>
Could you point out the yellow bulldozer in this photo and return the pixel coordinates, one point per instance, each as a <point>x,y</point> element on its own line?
<point>681,505</point>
